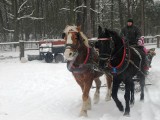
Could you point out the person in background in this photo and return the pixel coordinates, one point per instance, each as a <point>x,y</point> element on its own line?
<point>131,33</point>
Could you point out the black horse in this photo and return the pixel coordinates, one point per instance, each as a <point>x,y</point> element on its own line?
<point>124,62</point>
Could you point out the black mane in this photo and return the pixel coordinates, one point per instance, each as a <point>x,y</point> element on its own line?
<point>118,47</point>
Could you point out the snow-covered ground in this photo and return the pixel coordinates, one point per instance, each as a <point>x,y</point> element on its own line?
<point>40,91</point>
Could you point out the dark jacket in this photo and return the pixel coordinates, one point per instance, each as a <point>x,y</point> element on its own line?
<point>131,33</point>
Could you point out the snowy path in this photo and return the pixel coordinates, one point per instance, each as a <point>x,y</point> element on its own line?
<point>39,91</point>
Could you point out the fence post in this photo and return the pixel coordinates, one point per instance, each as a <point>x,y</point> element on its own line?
<point>158,40</point>
<point>21,45</point>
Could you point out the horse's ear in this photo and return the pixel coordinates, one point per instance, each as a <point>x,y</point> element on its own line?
<point>99,30</point>
<point>106,31</point>
<point>79,28</point>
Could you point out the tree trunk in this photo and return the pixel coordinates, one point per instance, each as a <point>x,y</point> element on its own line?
<point>88,27</point>
<point>112,15</point>
<point>128,8</point>
<point>2,26</point>
<point>142,17</point>
<point>120,13</point>
<point>72,16</point>
<point>16,22</point>
<point>79,19</point>
<point>93,6</point>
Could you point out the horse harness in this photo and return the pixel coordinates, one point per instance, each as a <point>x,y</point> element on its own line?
<point>88,63</point>
<point>125,60</point>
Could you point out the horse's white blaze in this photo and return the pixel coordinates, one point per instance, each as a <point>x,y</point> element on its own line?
<point>69,39</point>
<point>68,53</point>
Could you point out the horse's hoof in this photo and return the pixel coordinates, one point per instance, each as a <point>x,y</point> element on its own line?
<point>107,98</point>
<point>121,108</point>
<point>96,98</point>
<point>83,113</point>
<point>126,114</point>
<point>132,104</point>
<point>88,107</point>
<point>142,98</point>
<point>96,101</point>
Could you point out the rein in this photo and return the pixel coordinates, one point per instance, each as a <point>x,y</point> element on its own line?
<point>105,39</point>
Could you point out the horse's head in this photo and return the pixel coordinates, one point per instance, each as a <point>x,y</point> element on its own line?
<point>74,39</point>
<point>105,45</point>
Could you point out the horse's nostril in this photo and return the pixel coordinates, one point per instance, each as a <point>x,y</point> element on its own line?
<point>70,54</point>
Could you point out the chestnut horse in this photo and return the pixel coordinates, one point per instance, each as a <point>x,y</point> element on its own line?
<point>82,61</point>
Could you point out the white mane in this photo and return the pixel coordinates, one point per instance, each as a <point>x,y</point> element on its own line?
<point>74,28</point>
<point>70,28</point>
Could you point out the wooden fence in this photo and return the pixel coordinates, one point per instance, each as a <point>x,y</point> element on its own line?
<point>148,41</point>
<point>23,46</point>
<point>152,40</point>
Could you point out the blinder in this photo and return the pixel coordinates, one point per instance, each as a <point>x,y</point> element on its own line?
<point>112,46</point>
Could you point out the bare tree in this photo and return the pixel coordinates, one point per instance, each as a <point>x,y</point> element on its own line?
<point>142,17</point>
<point>88,27</point>
<point>120,13</point>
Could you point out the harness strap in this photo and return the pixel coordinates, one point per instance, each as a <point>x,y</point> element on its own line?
<point>136,66</point>
<point>88,51</point>
<point>136,51</point>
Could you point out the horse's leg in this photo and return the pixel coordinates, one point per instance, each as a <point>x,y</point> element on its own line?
<point>80,83</point>
<point>109,87</point>
<point>86,105</point>
<point>115,87</point>
<point>127,95</point>
<point>132,93</point>
<point>142,84</point>
<point>96,94</point>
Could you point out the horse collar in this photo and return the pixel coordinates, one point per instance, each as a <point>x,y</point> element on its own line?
<point>81,67</point>
<point>124,62</point>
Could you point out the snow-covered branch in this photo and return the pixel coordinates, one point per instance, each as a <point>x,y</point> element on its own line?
<point>20,8</point>
<point>95,11</point>
<point>30,16</point>
<point>26,16</point>
<point>10,15</point>
<point>7,2</point>
<point>8,30</point>
<point>35,18</point>
<point>65,9</point>
<point>82,6</point>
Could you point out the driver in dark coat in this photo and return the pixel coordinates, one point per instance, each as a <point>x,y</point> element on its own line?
<point>131,33</point>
